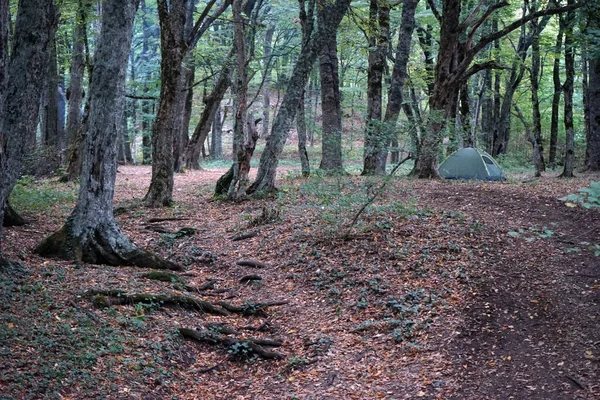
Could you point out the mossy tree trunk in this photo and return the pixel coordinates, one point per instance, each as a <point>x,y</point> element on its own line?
<point>21,90</point>
<point>91,233</point>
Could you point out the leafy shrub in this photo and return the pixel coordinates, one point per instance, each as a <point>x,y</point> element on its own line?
<point>588,197</point>
<point>31,195</point>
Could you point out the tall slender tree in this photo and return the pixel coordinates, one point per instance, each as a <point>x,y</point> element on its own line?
<point>568,95</point>
<point>332,14</point>
<point>91,233</point>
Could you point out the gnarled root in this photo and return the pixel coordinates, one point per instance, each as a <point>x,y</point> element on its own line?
<point>105,244</point>
<point>250,346</point>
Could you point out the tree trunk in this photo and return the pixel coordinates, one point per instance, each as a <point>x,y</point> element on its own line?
<point>267,48</point>
<point>330,16</point>
<point>90,233</point>
<point>538,144</point>
<point>593,101</point>
<point>211,105</point>
<point>399,72</point>
<point>331,150</point>
<point>147,105</point>
<point>216,140</point>
<point>375,136</point>
<point>168,117</point>
<point>555,97</point>
<point>301,127</point>
<point>568,93</point>
<point>24,72</point>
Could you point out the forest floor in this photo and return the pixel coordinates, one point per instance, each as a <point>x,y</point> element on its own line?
<point>443,290</point>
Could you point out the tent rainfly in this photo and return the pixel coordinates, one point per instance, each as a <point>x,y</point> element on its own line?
<point>471,163</point>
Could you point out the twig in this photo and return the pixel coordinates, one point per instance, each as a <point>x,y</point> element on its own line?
<point>370,201</point>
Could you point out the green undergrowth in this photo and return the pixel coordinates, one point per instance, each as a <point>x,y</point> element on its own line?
<point>78,349</point>
<point>31,195</point>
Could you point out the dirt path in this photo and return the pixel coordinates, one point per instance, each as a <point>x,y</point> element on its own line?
<point>531,329</point>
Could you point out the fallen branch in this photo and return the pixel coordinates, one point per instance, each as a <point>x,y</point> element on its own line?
<point>251,263</point>
<point>254,345</point>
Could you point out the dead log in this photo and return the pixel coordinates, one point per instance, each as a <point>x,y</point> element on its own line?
<point>251,263</point>
<point>251,345</point>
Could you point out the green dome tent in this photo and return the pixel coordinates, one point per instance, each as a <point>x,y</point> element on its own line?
<point>471,163</point>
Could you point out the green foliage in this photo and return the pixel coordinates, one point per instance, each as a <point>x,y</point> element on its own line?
<point>32,196</point>
<point>532,233</point>
<point>588,197</point>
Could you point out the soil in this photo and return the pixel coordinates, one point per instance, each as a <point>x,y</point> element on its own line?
<point>444,290</point>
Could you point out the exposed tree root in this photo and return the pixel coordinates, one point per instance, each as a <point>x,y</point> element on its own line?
<point>240,348</point>
<point>154,220</point>
<point>250,278</point>
<point>251,308</point>
<point>244,236</point>
<point>107,298</point>
<point>103,245</point>
<point>163,276</point>
<point>251,263</point>
<point>11,217</point>
<point>12,268</point>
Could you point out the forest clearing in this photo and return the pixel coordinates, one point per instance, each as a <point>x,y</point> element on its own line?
<point>430,297</point>
<point>311,199</point>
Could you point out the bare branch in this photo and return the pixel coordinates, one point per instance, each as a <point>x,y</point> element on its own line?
<point>204,22</point>
<point>520,22</point>
<point>434,10</point>
<point>475,68</point>
<point>485,16</point>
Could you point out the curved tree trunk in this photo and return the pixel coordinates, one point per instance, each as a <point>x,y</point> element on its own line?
<point>331,14</point>
<point>399,72</point>
<point>90,233</point>
<point>301,128</point>
<point>20,98</point>
<point>211,105</point>
<point>593,102</point>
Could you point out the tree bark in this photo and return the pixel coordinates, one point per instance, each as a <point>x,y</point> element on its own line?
<point>537,142</point>
<point>168,117</point>
<point>211,105</point>
<point>21,93</point>
<point>556,96</point>
<point>91,233</point>
<point>332,14</point>
<point>301,128</point>
<point>375,137</point>
<point>331,149</point>
<point>75,91</point>
<point>593,101</point>
<point>267,49</point>
<point>399,73</point>
<point>568,93</point>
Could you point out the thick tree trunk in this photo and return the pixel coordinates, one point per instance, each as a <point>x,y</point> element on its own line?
<point>4,43</point>
<point>211,105</point>
<point>593,101</point>
<point>91,234</point>
<point>568,93</point>
<point>331,150</point>
<point>399,73</point>
<point>555,97</point>
<point>375,137</point>
<point>21,93</point>
<point>168,117</point>
<point>330,16</point>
